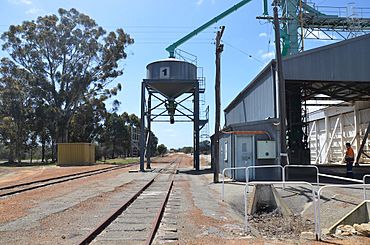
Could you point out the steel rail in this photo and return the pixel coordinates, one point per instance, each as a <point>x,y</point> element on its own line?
<point>92,235</point>
<point>59,179</point>
<point>53,178</point>
<point>158,218</point>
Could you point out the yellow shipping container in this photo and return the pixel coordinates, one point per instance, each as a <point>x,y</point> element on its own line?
<point>70,154</point>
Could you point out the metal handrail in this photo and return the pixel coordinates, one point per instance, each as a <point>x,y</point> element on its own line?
<point>263,166</point>
<point>223,180</point>
<point>282,183</point>
<point>246,175</point>
<point>306,166</point>
<point>341,178</point>
<point>318,202</point>
<point>363,180</point>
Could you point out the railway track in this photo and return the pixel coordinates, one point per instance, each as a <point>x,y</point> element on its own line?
<point>19,188</point>
<point>138,218</point>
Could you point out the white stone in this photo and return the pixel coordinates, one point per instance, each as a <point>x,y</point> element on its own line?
<point>307,235</point>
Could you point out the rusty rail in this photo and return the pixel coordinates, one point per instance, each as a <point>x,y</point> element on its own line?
<point>59,179</point>
<point>114,215</point>
<point>92,235</point>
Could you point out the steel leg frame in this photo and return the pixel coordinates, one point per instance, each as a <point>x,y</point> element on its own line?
<point>142,128</point>
<point>146,113</point>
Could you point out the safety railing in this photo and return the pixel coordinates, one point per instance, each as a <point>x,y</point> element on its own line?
<point>364,181</point>
<point>304,166</point>
<point>246,224</point>
<point>263,166</point>
<point>318,219</point>
<point>340,178</point>
<point>246,175</point>
<point>223,180</point>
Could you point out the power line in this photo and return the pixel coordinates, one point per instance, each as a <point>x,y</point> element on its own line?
<point>242,51</point>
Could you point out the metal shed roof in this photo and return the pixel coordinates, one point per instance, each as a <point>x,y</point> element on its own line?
<point>348,60</point>
<point>340,70</point>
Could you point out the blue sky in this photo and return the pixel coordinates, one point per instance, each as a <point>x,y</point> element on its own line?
<point>155,24</point>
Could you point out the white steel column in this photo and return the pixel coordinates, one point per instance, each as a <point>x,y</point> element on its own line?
<point>327,135</point>
<point>328,148</point>
<point>341,133</point>
<point>317,131</point>
<point>357,128</point>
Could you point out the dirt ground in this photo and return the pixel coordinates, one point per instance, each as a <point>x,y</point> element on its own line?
<point>18,175</point>
<point>66,212</point>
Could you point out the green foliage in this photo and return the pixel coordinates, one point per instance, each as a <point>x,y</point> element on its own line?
<point>186,149</point>
<point>162,149</point>
<point>15,110</point>
<point>68,59</point>
<point>153,144</point>
<point>205,147</point>
<point>55,80</point>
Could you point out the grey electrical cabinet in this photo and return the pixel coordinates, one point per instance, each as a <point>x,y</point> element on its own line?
<point>266,149</point>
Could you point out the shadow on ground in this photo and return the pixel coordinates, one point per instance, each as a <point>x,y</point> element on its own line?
<point>26,164</point>
<point>195,172</point>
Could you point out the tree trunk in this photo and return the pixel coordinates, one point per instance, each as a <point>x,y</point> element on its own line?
<point>113,149</point>
<point>31,155</point>
<point>43,151</point>
<point>11,156</point>
<point>52,150</point>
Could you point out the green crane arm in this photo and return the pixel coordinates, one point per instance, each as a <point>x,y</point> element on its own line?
<point>172,47</point>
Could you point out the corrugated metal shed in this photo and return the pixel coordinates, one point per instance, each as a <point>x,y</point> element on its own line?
<point>346,63</point>
<point>332,62</point>
<point>256,102</point>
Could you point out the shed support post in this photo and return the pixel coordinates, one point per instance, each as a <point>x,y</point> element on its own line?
<point>317,131</point>
<point>360,151</point>
<point>327,134</point>
<point>341,133</point>
<point>357,128</point>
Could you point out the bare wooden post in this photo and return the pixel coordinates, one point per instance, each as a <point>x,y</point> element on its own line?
<point>282,100</point>
<point>219,49</point>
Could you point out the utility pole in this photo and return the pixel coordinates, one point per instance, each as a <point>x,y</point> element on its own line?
<point>282,99</point>
<point>219,49</point>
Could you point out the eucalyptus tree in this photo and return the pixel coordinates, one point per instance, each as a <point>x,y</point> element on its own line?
<point>15,110</point>
<point>87,122</point>
<point>68,59</point>
<point>162,149</point>
<point>115,135</point>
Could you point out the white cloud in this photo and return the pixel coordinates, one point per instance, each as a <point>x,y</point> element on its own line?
<point>268,55</point>
<point>25,2</point>
<point>263,34</point>
<point>34,11</point>
<point>200,2</point>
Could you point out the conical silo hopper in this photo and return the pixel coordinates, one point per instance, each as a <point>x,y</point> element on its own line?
<point>171,78</point>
